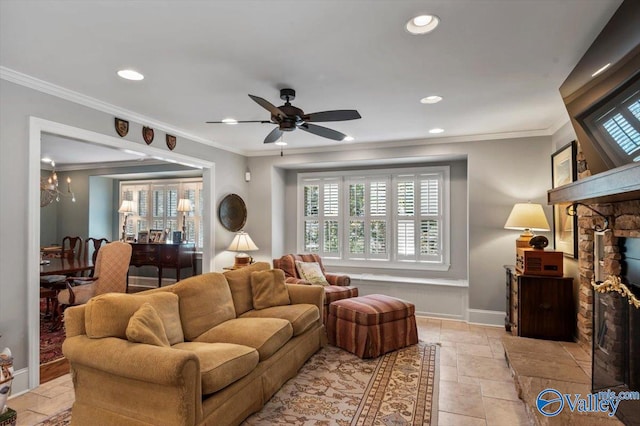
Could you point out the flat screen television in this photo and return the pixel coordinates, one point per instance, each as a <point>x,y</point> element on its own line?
<point>601,94</point>
<point>613,124</point>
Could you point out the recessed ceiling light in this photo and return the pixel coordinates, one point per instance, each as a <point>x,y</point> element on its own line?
<point>601,69</point>
<point>130,75</point>
<point>230,121</point>
<point>422,24</point>
<point>436,130</point>
<point>281,143</point>
<point>433,99</point>
<point>348,138</point>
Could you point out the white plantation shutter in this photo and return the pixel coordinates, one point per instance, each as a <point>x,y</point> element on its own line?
<point>321,207</point>
<point>396,216</point>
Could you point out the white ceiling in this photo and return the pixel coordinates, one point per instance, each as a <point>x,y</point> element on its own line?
<point>497,63</point>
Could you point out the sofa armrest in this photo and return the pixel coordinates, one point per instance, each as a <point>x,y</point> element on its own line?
<point>334,279</point>
<point>112,373</point>
<point>310,294</point>
<point>123,358</point>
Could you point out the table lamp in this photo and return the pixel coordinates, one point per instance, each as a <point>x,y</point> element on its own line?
<point>184,206</point>
<point>241,243</point>
<point>527,217</point>
<point>127,207</point>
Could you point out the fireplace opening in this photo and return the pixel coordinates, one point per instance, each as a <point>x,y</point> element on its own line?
<point>616,336</point>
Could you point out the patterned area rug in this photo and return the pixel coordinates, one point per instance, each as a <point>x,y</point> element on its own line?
<point>336,387</point>
<point>50,341</point>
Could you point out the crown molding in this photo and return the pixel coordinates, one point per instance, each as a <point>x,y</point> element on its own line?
<point>78,98</point>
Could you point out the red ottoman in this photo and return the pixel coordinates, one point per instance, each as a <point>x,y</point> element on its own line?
<point>370,326</point>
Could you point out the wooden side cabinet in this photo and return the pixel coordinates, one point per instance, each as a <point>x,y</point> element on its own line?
<point>539,307</point>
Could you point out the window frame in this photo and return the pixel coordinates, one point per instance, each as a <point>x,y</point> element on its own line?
<point>392,260</point>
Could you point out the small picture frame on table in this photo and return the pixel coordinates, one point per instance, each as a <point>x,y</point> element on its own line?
<point>157,236</point>
<point>564,170</point>
<point>143,237</point>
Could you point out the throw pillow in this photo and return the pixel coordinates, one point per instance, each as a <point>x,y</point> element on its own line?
<point>145,326</point>
<point>269,289</point>
<point>310,271</point>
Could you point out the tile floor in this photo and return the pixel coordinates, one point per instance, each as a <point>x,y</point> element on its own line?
<point>476,387</point>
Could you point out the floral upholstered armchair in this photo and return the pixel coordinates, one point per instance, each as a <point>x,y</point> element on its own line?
<point>308,269</point>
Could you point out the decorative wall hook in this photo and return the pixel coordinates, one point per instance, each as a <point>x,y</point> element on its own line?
<point>572,211</point>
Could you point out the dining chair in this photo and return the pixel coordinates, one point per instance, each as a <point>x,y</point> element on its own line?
<point>91,247</point>
<point>110,275</point>
<point>72,247</point>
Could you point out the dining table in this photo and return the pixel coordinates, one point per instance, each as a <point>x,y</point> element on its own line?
<point>65,266</point>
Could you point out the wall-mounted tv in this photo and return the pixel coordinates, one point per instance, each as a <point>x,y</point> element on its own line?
<point>613,124</point>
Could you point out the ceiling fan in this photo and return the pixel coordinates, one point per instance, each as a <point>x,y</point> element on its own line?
<point>288,118</point>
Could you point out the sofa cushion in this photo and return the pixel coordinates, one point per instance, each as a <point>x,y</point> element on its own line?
<point>311,271</point>
<point>107,315</point>
<point>205,301</point>
<point>266,335</point>
<point>221,363</point>
<point>240,284</point>
<point>145,326</point>
<point>268,289</point>
<point>301,316</point>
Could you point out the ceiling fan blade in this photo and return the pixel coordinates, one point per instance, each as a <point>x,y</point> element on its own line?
<point>274,110</point>
<point>337,115</point>
<point>246,121</point>
<point>322,131</point>
<point>273,136</point>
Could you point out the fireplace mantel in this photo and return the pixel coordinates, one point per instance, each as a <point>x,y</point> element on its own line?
<point>619,184</point>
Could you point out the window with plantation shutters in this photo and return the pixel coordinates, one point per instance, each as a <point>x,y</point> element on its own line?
<point>157,203</point>
<point>396,217</point>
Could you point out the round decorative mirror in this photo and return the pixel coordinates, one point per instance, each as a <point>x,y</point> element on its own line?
<point>232,212</point>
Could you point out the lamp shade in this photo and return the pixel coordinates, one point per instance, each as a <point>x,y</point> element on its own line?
<point>127,206</point>
<point>527,216</point>
<point>184,205</point>
<point>242,242</point>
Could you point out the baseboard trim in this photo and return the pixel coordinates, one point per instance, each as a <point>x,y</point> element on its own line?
<point>20,383</point>
<point>437,315</point>
<point>480,316</point>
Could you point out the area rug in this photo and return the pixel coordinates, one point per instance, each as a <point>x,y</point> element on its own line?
<point>50,341</point>
<point>336,387</point>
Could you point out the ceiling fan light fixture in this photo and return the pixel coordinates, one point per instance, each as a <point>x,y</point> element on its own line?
<point>230,121</point>
<point>281,143</point>
<point>46,160</point>
<point>348,138</point>
<point>422,24</point>
<point>436,130</point>
<point>433,99</point>
<point>130,75</point>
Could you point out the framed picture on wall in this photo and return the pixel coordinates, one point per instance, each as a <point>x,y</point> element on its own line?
<point>564,170</point>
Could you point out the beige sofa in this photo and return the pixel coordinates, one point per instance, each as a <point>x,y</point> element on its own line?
<point>223,361</point>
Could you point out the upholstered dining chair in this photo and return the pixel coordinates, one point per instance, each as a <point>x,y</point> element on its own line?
<point>336,287</point>
<point>110,276</point>
<point>91,247</point>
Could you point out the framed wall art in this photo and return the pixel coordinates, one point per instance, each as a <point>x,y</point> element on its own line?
<point>565,227</point>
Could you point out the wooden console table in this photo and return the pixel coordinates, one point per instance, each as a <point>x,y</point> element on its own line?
<point>162,256</point>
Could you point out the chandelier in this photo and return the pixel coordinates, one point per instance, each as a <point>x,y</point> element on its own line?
<point>49,190</point>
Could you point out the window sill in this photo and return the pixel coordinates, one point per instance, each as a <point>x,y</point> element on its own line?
<point>405,280</point>
<point>383,264</point>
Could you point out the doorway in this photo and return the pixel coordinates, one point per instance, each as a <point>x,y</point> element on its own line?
<point>39,126</point>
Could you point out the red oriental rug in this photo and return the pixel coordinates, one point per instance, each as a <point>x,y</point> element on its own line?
<point>50,341</point>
